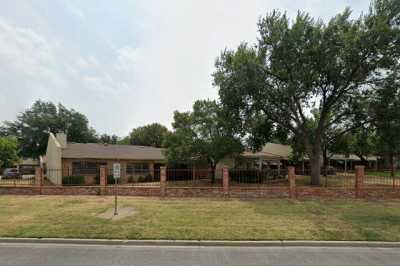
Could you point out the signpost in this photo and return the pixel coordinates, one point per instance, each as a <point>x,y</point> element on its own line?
<point>116,175</point>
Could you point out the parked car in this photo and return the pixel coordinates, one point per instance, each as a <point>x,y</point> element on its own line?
<point>10,173</point>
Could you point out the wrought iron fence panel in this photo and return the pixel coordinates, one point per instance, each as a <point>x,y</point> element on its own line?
<point>194,177</point>
<point>256,177</point>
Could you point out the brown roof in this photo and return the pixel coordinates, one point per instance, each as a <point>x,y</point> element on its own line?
<point>28,161</point>
<point>275,151</point>
<point>351,157</point>
<point>271,151</point>
<point>108,151</point>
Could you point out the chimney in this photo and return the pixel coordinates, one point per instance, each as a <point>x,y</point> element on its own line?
<point>62,139</point>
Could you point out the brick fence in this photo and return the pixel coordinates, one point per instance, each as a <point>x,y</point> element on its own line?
<point>291,191</point>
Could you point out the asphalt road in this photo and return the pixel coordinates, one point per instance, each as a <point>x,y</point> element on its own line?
<point>68,255</point>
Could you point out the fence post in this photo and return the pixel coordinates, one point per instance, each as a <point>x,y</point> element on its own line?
<point>194,174</point>
<point>151,169</point>
<point>39,178</point>
<point>163,181</point>
<point>359,184</point>
<point>103,179</point>
<point>225,180</point>
<point>292,181</point>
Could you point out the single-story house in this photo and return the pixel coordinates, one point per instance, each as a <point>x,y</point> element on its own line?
<point>271,156</point>
<point>70,159</point>
<point>343,162</point>
<point>277,156</point>
<point>65,158</point>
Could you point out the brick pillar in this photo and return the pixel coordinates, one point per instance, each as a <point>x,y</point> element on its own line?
<point>225,180</point>
<point>39,178</point>
<point>103,179</point>
<point>163,181</point>
<point>194,174</point>
<point>292,181</point>
<point>359,184</point>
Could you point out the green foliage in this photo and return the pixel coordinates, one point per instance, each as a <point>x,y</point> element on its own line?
<point>149,135</point>
<point>362,142</point>
<point>8,151</point>
<point>385,109</point>
<point>107,139</point>
<point>74,180</point>
<point>205,134</point>
<point>33,126</point>
<point>124,141</point>
<point>110,179</point>
<point>303,65</point>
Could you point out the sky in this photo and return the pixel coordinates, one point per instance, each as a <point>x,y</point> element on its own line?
<point>127,63</point>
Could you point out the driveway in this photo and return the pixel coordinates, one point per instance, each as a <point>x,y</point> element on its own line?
<point>56,254</point>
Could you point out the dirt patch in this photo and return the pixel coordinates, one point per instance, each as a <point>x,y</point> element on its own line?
<point>122,213</point>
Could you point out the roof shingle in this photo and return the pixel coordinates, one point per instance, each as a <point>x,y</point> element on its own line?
<point>271,151</point>
<point>108,151</point>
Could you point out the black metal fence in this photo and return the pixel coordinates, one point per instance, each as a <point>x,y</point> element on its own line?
<point>72,176</point>
<point>22,177</point>
<point>204,178</point>
<point>91,177</point>
<point>382,179</point>
<point>135,177</point>
<point>17,181</point>
<point>27,170</point>
<point>256,177</point>
<point>336,179</point>
<point>194,178</point>
<point>331,179</point>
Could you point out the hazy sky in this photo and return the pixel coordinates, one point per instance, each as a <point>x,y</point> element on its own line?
<point>126,63</point>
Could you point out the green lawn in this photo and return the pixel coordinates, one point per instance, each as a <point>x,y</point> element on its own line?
<point>382,173</point>
<point>76,217</point>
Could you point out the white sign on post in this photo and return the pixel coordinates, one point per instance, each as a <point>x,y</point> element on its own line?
<point>116,170</point>
<point>117,175</point>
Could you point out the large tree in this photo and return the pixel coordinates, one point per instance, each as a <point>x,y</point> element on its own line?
<point>107,139</point>
<point>148,135</point>
<point>33,126</point>
<point>385,108</point>
<point>307,64</point>
<point>8,151</point>
<point>203,135</point>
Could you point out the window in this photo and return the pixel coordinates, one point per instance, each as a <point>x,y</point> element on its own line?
<point>86,167</point>
<point>137,168</point>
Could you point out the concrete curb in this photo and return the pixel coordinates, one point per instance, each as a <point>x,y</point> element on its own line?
<point>200,243</point>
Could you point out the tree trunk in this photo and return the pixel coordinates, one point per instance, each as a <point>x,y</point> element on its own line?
<point>363,160</point>
<point>316,164</point>
<point>325,160</point>
<point>391,165</point>
<point>213,173</point>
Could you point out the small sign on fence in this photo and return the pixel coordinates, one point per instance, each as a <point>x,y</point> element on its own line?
<point>117,170</point>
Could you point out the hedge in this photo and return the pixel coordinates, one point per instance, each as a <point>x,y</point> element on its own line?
<point>75,180</point>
